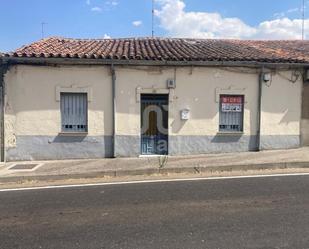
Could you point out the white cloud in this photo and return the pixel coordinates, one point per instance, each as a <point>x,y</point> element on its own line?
<point>293,10</point>
<point>96,9</point>
<point>106,36</point>
<point>287,13</point>
<point>279,15</point>
<point>112,3</point>
<point>137,23</point>
<point>284,28</point>
<point>108,5</point>
<point>174,19</point>
<point>180,23</point>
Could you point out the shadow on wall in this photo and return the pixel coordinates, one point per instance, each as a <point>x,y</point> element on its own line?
<point>222,138</point>
<point>284,98</point>
<point>289,116</point>
<point>69,139</point>
<point>305,102</point>
<point>177,125</point>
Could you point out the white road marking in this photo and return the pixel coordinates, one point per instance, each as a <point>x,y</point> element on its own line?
<point>151,181</point>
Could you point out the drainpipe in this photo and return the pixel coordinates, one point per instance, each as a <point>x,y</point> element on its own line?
<point>113,73</point>
<point>259,116</point>
<point>3,69</point>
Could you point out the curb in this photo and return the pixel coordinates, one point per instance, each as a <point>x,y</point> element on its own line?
<point>152,171</point>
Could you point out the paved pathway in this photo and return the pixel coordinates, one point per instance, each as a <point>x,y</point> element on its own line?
<point>123,166</point>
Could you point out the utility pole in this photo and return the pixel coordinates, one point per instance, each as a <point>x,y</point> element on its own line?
<point>42,30</point>
<point>303,21</point>
<point>152,19</point>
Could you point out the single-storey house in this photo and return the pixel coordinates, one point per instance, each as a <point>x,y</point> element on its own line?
<point>77,98</point>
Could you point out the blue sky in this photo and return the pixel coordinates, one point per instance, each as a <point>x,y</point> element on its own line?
<point>244,19</point>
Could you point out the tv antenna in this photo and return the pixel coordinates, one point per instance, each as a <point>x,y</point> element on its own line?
<point>152,19</point>
<point>303,22</point>
<point>42,28</point>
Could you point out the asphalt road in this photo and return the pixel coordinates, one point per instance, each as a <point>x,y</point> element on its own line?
<point>249,213</point>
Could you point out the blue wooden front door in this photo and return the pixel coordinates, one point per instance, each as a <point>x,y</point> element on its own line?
<point>154,124</point>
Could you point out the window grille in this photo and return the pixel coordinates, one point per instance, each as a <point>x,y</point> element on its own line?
<point>74,111</point>
<point>231,113</point>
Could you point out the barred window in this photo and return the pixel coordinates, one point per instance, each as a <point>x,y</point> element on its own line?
<point>231,113</point>
<point>74,111</point>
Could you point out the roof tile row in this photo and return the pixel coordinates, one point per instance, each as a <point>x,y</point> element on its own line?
<point>168,49</point>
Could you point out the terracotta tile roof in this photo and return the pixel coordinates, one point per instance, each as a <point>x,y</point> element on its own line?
<point>169,49</point>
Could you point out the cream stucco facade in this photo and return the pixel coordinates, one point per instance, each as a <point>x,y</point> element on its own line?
<point>32,112</point>
<point>33,118</point>
<point>281,111</point>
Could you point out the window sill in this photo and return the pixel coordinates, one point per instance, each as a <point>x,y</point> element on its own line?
<point>72,134</point>
<point>230,133</point>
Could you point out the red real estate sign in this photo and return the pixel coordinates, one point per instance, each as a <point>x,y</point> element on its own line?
<point>231,103</point>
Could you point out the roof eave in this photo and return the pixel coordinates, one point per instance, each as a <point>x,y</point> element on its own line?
<point>84,61</point>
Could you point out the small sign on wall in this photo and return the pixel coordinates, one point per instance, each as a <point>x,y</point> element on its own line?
<point>231,103</point>
<point>185,114</point>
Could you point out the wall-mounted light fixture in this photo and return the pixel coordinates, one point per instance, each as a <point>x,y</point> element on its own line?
<point>171,83</point>
<point>267,77</point>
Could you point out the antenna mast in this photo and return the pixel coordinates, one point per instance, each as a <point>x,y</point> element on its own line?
<point>152,19</point>
<point>303,21</point>
<point>43,23</point>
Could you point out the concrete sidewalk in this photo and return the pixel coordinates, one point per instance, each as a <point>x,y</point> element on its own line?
<point>96,168</point>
